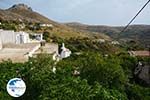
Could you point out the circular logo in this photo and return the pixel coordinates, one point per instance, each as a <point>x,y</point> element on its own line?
<point>16,87</point>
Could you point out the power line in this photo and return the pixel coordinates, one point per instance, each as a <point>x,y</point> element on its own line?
<point>135,16</point>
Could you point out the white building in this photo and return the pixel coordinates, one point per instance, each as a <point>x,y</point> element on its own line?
<point>22,37</point>
<point>65,52</point>
<point>38,37</point>
<point>7,36</point>
<point>115,42</point>
<point>1,46</point>
<point>46,25</point>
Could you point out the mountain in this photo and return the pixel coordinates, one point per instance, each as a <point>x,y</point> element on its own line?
<point>25,14</point>
<point>138,33</point>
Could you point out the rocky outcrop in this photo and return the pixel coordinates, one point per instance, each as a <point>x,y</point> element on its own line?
<point>20,6</point>
<point>142,72</point>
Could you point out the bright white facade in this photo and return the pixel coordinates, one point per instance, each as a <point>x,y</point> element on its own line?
<point>115,42</point>
<point>65,52</point>
<point>1,46</point>
<point>9,36</point>
<point>22,37</point>
<point>46,25</point>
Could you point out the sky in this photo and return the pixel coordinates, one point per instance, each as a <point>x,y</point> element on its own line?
<point>94,12</point>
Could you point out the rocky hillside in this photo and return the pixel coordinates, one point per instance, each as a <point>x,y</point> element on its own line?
<point>23,13</point>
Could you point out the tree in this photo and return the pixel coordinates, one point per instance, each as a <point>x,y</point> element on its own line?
<point>46,35</point>
<point>128,64</point>
<point>94,67</point>
<point>99,79</point>
<point>8,71</point>
<point>136,92</point>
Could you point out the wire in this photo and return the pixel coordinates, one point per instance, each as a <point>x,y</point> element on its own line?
<point>135,17</point>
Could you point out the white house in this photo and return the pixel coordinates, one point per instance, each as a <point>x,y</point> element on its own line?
<point>38,37</point>
<point>65,52</point>
<point>115,42</point>
<point>22,37</point>
<point>46,25</point>
<point>1,46</point>
<point>7,36</point>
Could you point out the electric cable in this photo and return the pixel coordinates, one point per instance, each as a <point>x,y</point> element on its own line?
<point>135,16</point>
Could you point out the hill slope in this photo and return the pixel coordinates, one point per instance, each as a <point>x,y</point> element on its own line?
<point>25,14</point>
<point>140,33</point>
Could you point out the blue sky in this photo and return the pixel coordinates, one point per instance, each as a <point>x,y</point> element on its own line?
<point>101,12</point>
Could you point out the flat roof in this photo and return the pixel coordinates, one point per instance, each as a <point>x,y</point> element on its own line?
<point>18,52</point>
<point>49,48</point>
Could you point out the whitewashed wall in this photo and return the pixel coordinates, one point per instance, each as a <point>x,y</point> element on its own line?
<point>7,36</point>
<point>1,46</point>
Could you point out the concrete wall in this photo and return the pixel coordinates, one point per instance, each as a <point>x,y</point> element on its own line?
<point>22,37</point>
<point>14,37</point>
<point>1,46</point>
<point>7,36</point>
